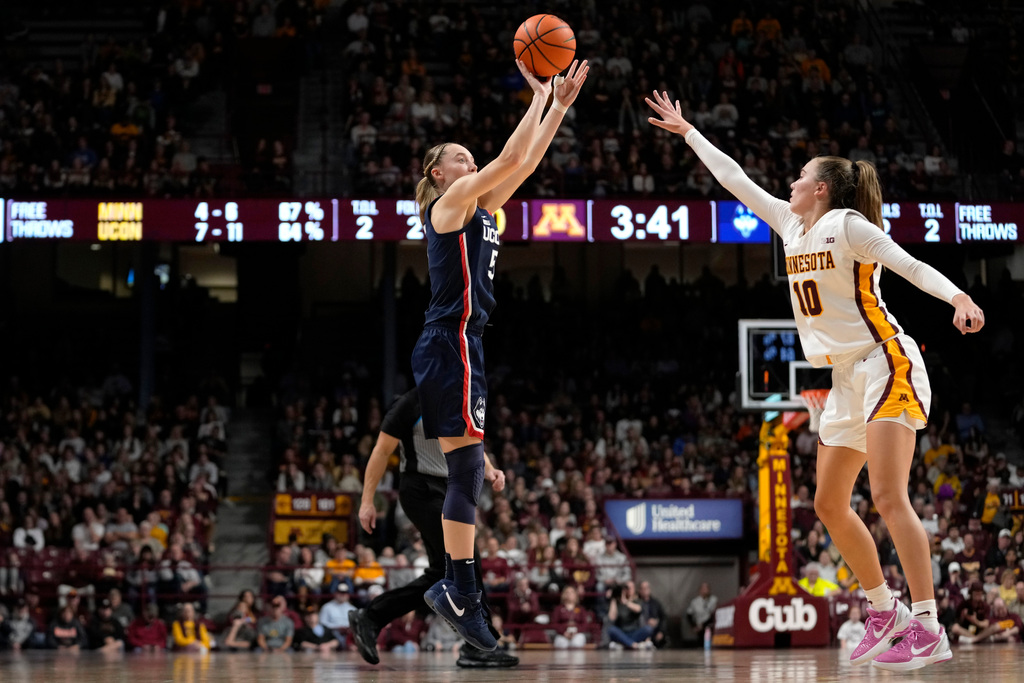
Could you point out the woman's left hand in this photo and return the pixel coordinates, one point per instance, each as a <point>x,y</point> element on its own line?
<point>967,312</point>
<point>566,89</point>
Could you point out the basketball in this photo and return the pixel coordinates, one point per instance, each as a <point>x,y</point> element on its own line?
<point>546,44</point>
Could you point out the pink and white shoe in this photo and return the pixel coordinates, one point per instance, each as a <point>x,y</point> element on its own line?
<point>919,648</point>
<point>881,627</point>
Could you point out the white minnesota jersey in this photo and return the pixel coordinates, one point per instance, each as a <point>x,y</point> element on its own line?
<point>837,305</point>
<point>833,268</point>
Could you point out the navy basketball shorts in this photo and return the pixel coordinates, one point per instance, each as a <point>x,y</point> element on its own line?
<point>448,365</point>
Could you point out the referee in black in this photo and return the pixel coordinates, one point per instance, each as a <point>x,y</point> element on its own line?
<point>421,490</point>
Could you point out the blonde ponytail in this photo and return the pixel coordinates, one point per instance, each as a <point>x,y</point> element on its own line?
<point>869,193</point>
<point>852,185</point>
<point>426,189</point>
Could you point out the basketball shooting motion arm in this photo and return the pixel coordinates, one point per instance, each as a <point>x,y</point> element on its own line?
<point>773,211</point>
<point>467,191</point>
<point>867,241</point>
<point>565,92</point>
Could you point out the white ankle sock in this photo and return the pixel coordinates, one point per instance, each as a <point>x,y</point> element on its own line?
<point>927,613</point>
<point>881,598</point>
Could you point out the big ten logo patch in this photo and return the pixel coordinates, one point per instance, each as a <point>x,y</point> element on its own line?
<point>559,221</point>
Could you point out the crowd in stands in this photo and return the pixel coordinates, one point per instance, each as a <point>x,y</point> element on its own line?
<point>774,85</point>
<point>120,120</point>
<point>105,513</point>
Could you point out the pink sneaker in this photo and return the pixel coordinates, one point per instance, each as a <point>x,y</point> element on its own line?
<point>919,648</point>
<point>881,627</point>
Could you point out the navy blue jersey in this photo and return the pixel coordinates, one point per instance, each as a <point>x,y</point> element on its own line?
<point>462,272</point>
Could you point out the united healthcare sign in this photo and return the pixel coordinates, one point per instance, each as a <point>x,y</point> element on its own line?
<point>689,519</point>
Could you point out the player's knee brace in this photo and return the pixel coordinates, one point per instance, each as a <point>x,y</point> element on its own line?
<point>465,479</point>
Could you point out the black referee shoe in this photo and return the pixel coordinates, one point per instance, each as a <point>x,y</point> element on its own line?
<point>472,657</point>
<point>365,633</point>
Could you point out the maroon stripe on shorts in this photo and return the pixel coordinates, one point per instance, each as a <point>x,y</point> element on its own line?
<point>888,386</point>
<point>910,377</point>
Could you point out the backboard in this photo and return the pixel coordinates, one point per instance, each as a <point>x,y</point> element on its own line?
<point>772,366</point>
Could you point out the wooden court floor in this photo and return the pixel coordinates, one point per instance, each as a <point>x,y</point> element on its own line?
<point>971,664</point>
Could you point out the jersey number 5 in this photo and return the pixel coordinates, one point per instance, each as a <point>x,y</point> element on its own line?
<point>808,298</point>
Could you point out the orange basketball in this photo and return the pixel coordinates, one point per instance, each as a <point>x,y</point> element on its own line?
<point>546,44</point>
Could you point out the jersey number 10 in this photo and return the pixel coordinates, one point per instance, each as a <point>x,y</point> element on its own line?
<point>808,298</point>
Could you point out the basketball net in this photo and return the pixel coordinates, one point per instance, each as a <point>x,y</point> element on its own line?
<point>814,399</point>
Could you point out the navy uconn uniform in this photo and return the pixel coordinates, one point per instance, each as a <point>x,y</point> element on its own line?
<point>448,360</point>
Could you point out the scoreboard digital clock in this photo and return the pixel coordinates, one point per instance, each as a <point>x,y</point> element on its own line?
<point>635,221</point>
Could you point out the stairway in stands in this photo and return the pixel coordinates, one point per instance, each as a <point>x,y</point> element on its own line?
<point>243,518</point>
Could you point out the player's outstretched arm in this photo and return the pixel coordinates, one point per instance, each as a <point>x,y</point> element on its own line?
<point>565,92</point>
<point>726,171</point>
<point>468,189</point>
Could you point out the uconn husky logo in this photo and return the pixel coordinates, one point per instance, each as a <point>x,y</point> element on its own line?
<point>744,221</point>
<point>636,518</point>
<point>480,412</point>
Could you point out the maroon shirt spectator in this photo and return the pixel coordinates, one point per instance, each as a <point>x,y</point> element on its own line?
<point>523,603</point>
<point>406,629</point>
<point>148,632</point>
<point>569,617</point>
<point>971,559</point>
<point>495,570</point>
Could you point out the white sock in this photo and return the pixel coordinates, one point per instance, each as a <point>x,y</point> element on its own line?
<point>881,598</point>
<point>927,613</point>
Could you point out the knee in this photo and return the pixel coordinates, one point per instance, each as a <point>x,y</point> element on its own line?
<point>829,507</point>
<point>889,500</point>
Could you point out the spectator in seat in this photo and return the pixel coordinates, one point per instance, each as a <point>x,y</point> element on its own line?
<point>852,631</point>
<point>314,636</point>
<point>523,602</point>
<point>241,636</point>
<point>625,620</point>
<point>403,634</point>
<point>334,614</point>
<point>105,632</point>
<point>814,584</point>
<point>66,632</point>
<point>88,533</point>
<point>568,618</point>
<point>190,634</point>
<point>612,567</point>
<point>495,570</point>
<point>973,624</point>
<point>276,631</point>
<point>148,633</point>
<point>307,573</point>
<point>29,535</point>
<point>121,610</point>
<point>179,577</point>
<point>20,633</point>
<point>79,576</point>
<point>279,572</point>
<point>701,610</point>
<point>368,572</point>
<point>653,614</point>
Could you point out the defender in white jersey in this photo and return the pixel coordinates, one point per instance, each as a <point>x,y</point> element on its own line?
<point>835,247</point>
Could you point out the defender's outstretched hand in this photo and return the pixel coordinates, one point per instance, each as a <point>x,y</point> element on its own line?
<point>567,88</point>
<point>967,312</point>
<point>671,114</point>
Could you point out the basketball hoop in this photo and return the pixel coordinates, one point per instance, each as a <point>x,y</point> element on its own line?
<point>814,399</point>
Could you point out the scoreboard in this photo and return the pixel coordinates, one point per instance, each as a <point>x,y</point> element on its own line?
<point>638,221</point>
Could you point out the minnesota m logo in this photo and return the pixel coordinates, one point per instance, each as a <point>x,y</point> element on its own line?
<point>636,518</point>
<point>559,218</point>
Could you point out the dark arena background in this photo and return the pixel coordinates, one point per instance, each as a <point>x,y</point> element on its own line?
<point>213,272</point>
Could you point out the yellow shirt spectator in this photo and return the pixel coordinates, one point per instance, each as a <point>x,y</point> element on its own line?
<point>189,633</point>
<point>820,588</point>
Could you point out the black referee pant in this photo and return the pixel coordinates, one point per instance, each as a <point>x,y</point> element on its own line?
<point>422,498</point>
